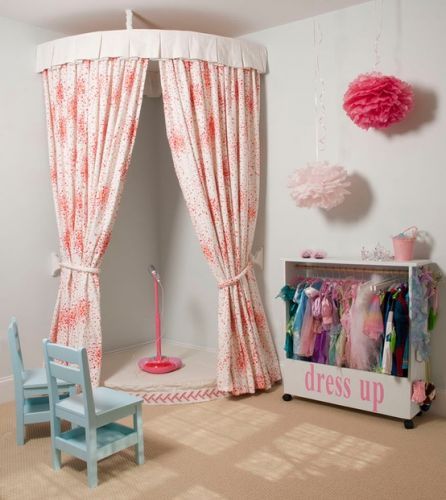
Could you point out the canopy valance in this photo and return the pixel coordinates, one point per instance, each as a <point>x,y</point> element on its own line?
<point>153,45</point>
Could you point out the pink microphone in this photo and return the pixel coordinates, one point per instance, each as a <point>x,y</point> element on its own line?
<point>158,364</point>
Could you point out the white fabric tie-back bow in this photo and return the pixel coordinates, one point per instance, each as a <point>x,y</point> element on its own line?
<point>235,279</point>
<point>57,265</point>
<point>256,258</point>
<point>81,269</point>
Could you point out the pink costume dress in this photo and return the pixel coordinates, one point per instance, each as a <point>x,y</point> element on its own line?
<point>363,349</point>
<point>308,333</point>
<point>341,345</point>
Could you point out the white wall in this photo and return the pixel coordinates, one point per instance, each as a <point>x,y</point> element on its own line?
<point>126,287</point>
<point>190,312</point>
<point>399,175</point>
<point>154,227</point>
<point>27,223</point>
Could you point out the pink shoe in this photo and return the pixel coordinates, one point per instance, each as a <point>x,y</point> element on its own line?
<point>319,254</point>
<point>306,254</point>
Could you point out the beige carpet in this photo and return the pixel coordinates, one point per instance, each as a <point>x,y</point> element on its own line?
<point>251,448</point>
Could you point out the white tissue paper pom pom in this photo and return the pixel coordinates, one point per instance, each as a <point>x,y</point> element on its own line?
<point>319,185</point>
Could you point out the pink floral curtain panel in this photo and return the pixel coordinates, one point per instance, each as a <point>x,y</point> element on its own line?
<point>212,121</point>
<point>92,113</point>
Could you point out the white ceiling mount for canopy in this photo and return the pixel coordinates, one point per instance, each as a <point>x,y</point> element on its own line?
<point>154,45</point>
<point>129,19</point>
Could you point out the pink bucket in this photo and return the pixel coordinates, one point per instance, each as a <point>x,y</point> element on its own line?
<point>403,244</point>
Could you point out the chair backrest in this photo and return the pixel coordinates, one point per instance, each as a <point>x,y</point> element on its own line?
<point>16,356</point>
<point>70,365</point>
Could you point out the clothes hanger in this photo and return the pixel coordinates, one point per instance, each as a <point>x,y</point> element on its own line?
<point>384,284</point>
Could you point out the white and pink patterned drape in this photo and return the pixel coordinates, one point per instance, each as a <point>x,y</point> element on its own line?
<point>92,114</point>
<point>212,121</point>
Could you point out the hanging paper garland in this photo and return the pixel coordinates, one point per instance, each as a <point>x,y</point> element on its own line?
<point>377,101</point>
<point>320,185</point>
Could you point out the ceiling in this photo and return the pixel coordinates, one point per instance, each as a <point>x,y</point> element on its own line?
<point>220,17</point>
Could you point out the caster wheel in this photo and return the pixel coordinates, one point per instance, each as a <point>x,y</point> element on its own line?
<point>425,408</point>
<point>287,397</point>
<point>408,424</point>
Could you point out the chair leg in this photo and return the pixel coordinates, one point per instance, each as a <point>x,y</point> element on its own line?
<point>137,425</point>
<point>57,459</point>
<point>92,461</point>
<point>20,425</point>
<point>92,469</point>
<point>56,453</point>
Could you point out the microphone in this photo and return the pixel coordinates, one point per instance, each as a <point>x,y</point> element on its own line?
<point>153,272</point>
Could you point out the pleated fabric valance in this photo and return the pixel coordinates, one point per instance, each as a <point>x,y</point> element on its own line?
<point>153,45</point>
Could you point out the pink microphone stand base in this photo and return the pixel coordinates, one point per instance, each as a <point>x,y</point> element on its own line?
<point>160,365</point>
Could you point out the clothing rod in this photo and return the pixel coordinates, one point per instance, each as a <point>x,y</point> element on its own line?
<point>347,269</point>
<point>345,279</point>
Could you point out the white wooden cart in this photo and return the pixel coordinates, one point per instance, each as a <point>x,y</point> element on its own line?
<point>363,390</point>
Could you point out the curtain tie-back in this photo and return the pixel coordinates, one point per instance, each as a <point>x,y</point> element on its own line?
<point>235,279</point>
<point>81,269</point>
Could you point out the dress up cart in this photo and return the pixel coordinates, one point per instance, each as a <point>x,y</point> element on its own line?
<point>364,390</point>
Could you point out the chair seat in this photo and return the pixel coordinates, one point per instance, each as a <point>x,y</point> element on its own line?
<point>37,405</point>
<point>105,400</point>
<point>109,439</point>
<point>36,379</point>
<point>36,410</point>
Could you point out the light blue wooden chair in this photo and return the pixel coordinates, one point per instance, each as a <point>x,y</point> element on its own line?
<point>31,388</point>
<point>94,411</point>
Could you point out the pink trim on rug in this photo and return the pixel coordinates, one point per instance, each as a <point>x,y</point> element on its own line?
<point>168,398</point>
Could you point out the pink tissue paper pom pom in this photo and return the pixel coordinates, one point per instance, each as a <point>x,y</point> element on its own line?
<point>377,101</point>
<point>319,185</point>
